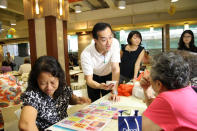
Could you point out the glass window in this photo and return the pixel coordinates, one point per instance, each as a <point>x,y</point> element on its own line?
<point>175,34</point>
<point>151,40</point>
<point>72,43</point>
<point>13,49</point>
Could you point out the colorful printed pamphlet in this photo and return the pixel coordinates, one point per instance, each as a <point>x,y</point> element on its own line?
<point>92,118</point>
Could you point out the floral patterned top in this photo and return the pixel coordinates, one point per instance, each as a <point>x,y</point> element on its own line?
<point>50,111</point>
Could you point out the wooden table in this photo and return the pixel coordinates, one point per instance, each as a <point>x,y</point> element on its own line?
<point>125,103</point>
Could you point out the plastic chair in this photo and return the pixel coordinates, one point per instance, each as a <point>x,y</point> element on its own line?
<point>10,118</point>
<point>80,84</point>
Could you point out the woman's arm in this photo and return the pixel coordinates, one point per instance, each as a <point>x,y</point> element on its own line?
<point>148,125</point>
<point>121,53</point>
<point>27,120</point>
<point>137,64</point>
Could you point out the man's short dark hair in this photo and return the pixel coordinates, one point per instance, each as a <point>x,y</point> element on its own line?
<point>99,27</point>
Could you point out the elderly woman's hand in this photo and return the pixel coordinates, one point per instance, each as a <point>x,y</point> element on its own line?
<point>145,81</point>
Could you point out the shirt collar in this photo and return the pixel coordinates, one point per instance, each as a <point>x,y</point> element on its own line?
<point>99,54</point>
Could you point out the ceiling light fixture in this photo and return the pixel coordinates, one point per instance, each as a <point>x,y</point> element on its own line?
<point>186,26</point>
<point>174,1</point>
<point>122,4</point>
<point>151,29</point>
<point>3,4</point>
<point>13,22</point>
<point>77,9</point>
<point>83,33</point>
<point>60,5</point>
<point>37,7</point>
<point>122,32</point>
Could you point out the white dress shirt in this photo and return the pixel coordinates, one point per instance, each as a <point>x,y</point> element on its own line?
<point>93,62</point>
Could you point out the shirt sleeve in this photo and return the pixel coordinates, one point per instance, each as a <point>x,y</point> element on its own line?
<point>30,99</point>
<point>115,51</point>
<point>86,63</point>
<point>161,113</point>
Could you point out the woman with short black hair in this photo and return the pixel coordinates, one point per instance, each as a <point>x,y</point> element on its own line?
<point>131,57</point>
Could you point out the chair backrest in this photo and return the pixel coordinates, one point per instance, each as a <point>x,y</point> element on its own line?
<point>18,113</point>
<point>24,77</point>
<point>10,118</point>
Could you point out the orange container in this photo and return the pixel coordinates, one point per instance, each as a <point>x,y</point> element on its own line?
<point>125,89</point>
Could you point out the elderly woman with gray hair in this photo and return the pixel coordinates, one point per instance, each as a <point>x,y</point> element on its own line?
<point>191,58</point>
<point>174,107</point>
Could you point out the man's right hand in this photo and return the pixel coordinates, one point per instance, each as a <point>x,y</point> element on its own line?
<point>106,87</point>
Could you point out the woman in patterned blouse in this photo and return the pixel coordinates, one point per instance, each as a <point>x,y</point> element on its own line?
<point>47,97</point>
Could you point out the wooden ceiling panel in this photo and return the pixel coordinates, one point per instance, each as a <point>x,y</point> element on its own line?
<point>95,3</point>
<point>111,3</point>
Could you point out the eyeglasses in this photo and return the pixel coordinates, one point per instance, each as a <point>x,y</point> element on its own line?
<point>189,36</point>
<point>105,39</point>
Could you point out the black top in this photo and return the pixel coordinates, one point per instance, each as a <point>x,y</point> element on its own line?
<point>128,60</point>
<point>192,49</point>
<point>50,111</point>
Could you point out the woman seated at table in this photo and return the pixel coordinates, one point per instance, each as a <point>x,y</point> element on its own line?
<point>26,67</point>
<point>175,106</point>
<point>46,99</point>
<point>5,67</point>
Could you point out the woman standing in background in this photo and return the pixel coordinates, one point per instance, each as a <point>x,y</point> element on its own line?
<point>131,57</point>
<point>186,41</point>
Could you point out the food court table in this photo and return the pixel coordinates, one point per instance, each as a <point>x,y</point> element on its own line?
<point>125,103</point>
<point>75,72</point>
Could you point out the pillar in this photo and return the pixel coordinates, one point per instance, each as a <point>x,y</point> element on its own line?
<point>166,38</point>
<point>48,30</point>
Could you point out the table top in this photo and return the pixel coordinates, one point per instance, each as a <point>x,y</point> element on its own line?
<point>125,103</point>
<point>74,72</point>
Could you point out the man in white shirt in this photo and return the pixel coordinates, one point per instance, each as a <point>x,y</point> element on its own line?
<point>100,62</point>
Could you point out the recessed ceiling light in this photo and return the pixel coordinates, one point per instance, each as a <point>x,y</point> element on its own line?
<point>186,26</point>
<point>13,22</point>
<point>122,4</point>
<point>3,4</point>
<point>174,0</point>
<point>77,9</point>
